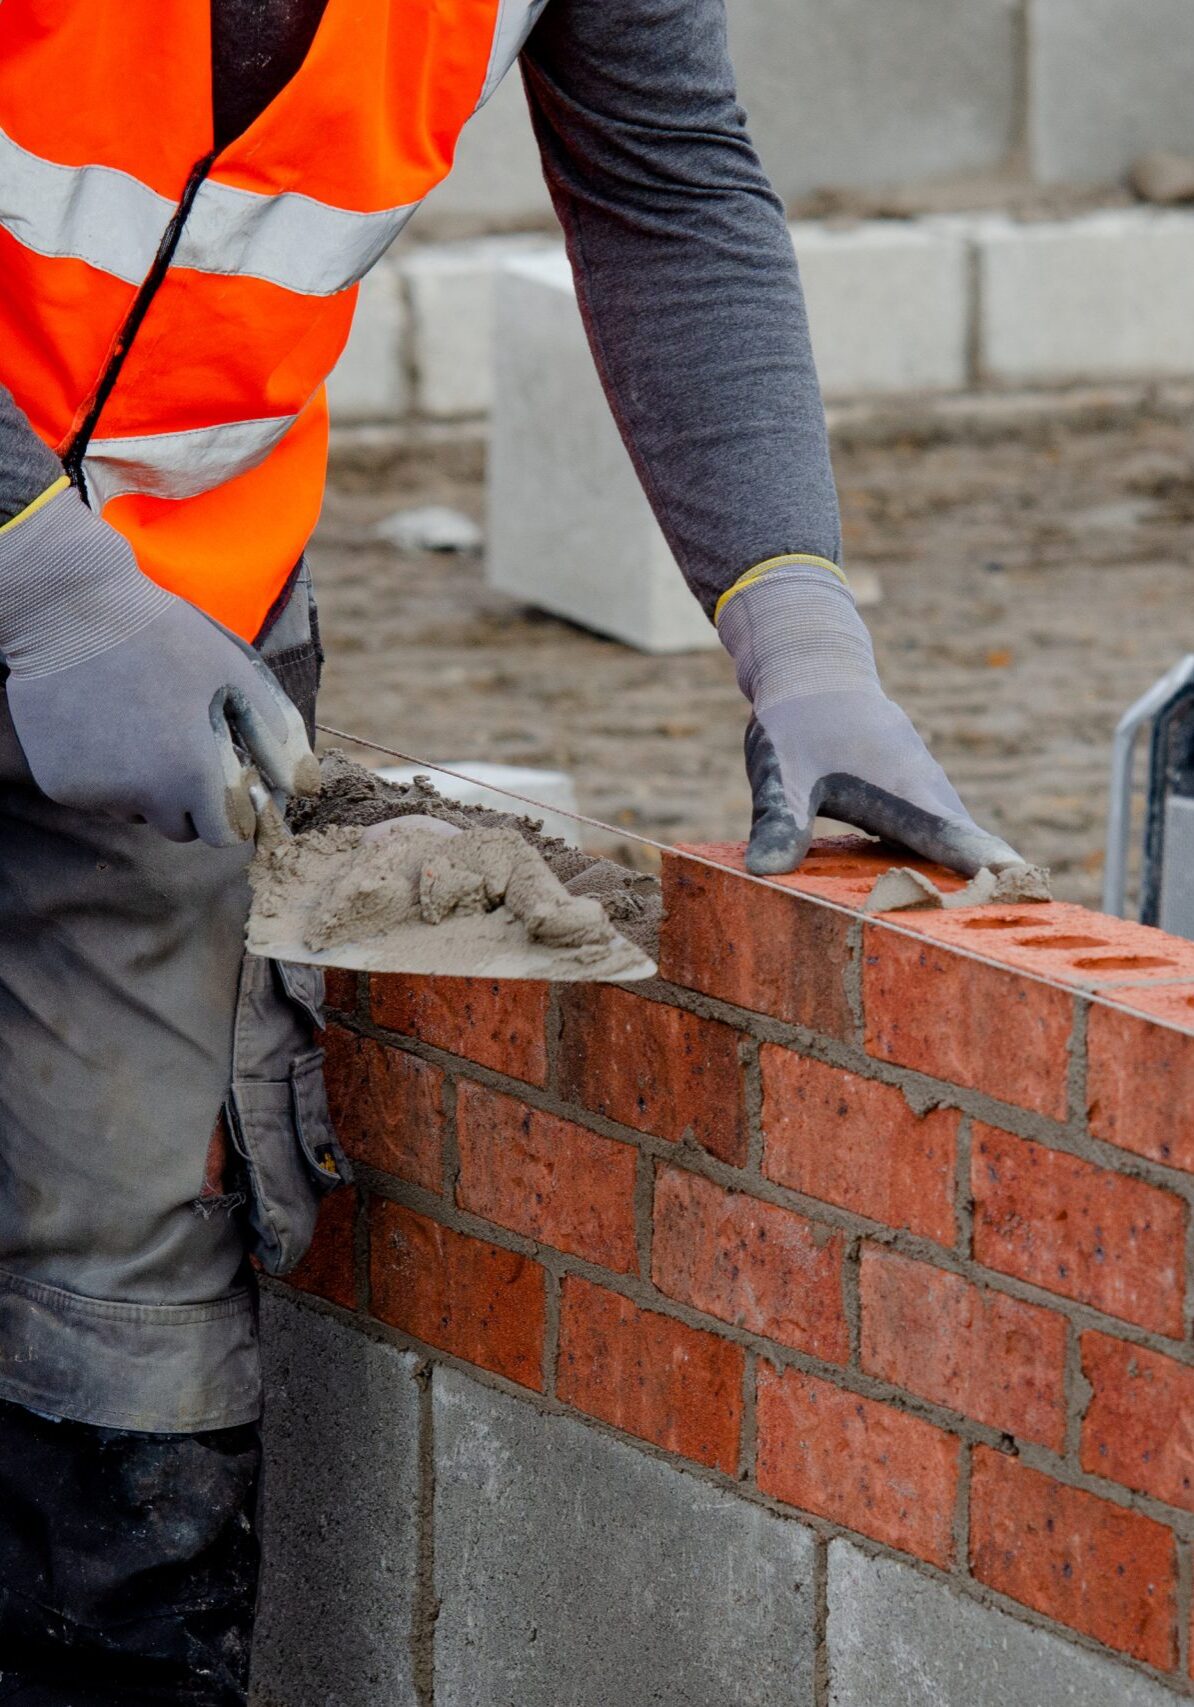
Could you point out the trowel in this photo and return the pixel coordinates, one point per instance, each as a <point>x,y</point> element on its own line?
<point>494,943</point>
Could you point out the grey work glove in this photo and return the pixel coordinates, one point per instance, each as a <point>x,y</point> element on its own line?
<point>824,737</point>
<point>125,699</point>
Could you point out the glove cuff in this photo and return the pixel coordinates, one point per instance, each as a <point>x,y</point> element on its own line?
<point>70,587</point>
<point>795,631</point>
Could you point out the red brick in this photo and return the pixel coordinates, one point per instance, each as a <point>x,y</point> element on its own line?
<point>387,1107</point>
<point>462,1295</point>
<point>1056,941</point>
<point>968,1023</point>
<point>546,1177</point>
<point>981,1353</point>
<point>341,989</point>
<point>1081,1230</point>
<point>867,1466</point>
<point>329,1267</point>
<point>1139,1424</point>
<point>1079,1559</point>
<point>649,1375</point>
<point>749,1263</point>
<point>854,1142</point>
<point>1140,1077</point>
<point>498,1023</point>
<point>765,947</point>
<point>655,1068</point>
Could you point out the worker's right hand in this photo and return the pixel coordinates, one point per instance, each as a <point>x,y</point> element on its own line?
<point>125,698</point>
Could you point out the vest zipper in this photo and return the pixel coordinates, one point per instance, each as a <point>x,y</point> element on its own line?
<point>76,448</point>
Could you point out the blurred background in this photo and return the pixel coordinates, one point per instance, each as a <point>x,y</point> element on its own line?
<point>993,206</point>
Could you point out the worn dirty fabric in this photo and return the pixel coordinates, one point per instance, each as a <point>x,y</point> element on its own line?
<point>684,268</point>
<point>129,1018</point>
<point>128,1564</point>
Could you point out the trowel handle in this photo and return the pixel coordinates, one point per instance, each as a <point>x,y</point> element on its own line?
<point>271,824</point>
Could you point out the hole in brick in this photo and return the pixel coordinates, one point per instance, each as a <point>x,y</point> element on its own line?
<point>1061,942</point>
<point>1004,924</point>
<point>1123,962</point>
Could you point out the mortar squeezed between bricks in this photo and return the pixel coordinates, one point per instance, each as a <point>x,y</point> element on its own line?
<point>382,877</point>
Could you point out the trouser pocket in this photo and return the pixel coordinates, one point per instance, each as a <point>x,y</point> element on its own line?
<point>278,1112</point>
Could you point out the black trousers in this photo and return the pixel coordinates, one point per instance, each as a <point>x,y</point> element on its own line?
<point>128,1564</point>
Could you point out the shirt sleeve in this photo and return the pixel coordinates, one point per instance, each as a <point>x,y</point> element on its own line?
<point>687,282</point>
<point>27,466</point>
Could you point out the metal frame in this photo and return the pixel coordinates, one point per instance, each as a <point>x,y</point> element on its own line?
<point>1119,806</point>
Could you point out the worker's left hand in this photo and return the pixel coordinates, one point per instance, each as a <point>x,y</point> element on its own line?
<point>825,738</point>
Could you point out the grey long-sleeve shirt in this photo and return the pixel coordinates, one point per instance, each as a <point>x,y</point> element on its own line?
<point>685,273</point>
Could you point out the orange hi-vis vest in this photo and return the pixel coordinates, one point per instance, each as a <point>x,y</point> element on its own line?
<point>168,314</point>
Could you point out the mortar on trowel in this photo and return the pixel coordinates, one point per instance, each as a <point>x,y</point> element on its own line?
<point>414,894</point>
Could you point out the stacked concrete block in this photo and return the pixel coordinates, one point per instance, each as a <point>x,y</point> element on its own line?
<point>450,291</point>
<point>369,382</point>
<point>652,1586</point>
<point>1105,297</point>
<point>888,305</point>
<point>569,529</point>
<point>897,1636</point>
<point>854,93</point>
<point>341,1500</point>
<point>1110,80</point>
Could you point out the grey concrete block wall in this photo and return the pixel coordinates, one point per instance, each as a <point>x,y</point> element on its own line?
<point>896,1636</point>
<point>431,1539</point>
<point>572,1569</point>
<point>341,1502</point>
<point>872,92</point>
<point>1110,80</point>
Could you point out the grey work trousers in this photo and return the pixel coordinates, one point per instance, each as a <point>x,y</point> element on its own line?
<point>132,1028</point>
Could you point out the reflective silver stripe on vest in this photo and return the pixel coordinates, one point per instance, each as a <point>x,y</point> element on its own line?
<point>179,465</point>
<point>288,239</point>
<point>516,20</point>
<point>115,223</point>
<point>87,213</point>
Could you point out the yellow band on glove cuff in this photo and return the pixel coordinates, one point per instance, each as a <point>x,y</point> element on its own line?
<point>60,485</point>
<point>784,562</point>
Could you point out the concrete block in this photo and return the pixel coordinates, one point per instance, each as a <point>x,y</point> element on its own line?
<point>341,1438</point>
<point>896,1636</point>
<point>569,529</point>
<point>574,1569</point>
<point>848,92</point>
<point>842,92</point>
<point>888,303</point>
<point>1099,298</point>
<point>450,291</point>
<point>369,381</point>
<point>1111,79</point>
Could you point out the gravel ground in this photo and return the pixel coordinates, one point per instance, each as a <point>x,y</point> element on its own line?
<point>1036,558</point>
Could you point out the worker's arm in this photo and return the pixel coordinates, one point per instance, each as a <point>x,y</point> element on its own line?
<point>692,302</point>
<point>122,696</point>
<point>27,466</point>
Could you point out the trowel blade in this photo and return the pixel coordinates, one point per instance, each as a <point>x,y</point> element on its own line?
<point>438,949</point>
<point>442,950</point>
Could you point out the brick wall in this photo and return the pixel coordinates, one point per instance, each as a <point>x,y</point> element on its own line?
<point>881,1223</point>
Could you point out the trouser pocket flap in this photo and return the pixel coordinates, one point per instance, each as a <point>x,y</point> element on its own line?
<point>283,1134</point>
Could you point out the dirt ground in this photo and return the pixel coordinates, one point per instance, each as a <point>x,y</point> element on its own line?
<point>1037,563</point>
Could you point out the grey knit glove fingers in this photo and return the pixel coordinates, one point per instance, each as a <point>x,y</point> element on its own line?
<point>825,738</point>
<point>126,699</point>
